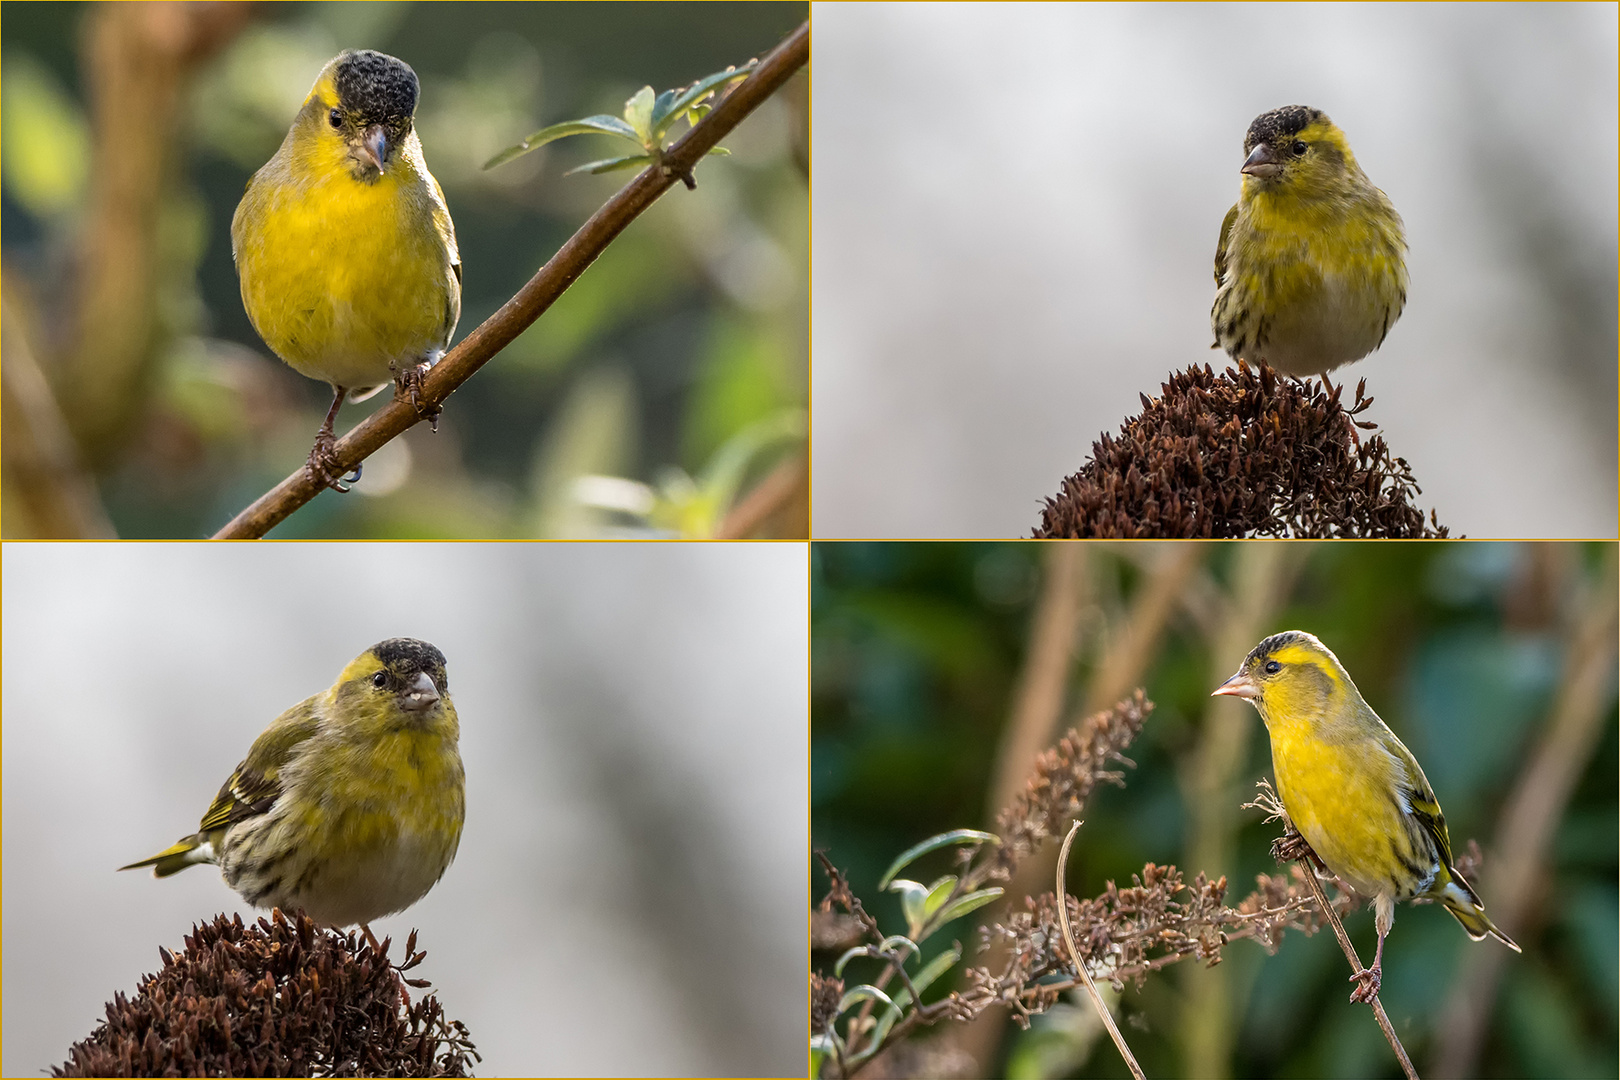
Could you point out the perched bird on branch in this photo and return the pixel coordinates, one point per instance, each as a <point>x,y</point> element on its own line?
<point>1311,263</point>
<point>344,244</point>
<point>1354,792</point>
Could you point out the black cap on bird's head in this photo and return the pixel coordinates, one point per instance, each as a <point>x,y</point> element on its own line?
<point>1278,124</point>
<point>376,99</point>
<point>412,669</point>
<point>374,87</point>
<point>1270,141</point>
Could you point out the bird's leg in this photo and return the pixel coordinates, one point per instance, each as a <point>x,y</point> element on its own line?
<point>322,464</point>
<point>1368,980</point>
<point>371,939</point>
<point>408,387</point>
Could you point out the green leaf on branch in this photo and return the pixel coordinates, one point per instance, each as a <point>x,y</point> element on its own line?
<point>648,118</point>
<point>934,843</point>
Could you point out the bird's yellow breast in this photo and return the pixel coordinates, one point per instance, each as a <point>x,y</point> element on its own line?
<point>342,277</point>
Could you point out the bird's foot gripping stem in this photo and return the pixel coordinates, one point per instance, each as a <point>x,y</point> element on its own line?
<point>408,387</point>
<point>323,465</point>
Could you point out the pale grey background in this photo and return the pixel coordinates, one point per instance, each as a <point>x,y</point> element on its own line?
<point>629,894</point>
<point>1015,212</point>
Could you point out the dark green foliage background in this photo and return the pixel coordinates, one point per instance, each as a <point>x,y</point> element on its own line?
<point>916,648</point>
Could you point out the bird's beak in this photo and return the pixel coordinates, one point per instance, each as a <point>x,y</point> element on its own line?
<point>1239,685</point>
<point>374,144</point>
<point>1263,162</point>
<point>420,695</point>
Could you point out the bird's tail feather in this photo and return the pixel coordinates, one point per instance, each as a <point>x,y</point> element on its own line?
<point>175,858</point>
<point>1465,906</point>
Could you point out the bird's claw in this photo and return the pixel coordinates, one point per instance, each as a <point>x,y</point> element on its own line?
<point>323,467</point>
<point>408,387</point>
<point>1367,981</point>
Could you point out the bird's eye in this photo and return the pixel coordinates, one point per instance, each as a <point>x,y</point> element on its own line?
<point>1298,148</point>
<point>1272,667</point>
<point>380,679</point>
<point>335,117</point>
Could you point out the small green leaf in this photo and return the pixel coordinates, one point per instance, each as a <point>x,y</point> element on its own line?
<point>610,164</point>
<point>973,901</point>
<point>660,109</point>
<point>939,892</point>
<point>838,968</point>
<point>701,88</point>
<point>638,114</point>
<point>913,896</point>
<point>933,843</point>
<point>720,151</point>
<point>864,992</point>
<point>600,124</point>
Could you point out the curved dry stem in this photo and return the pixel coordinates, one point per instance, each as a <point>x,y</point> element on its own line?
<point>541,291</point>
<point>1074,954</point>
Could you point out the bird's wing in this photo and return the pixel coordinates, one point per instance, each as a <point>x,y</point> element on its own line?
<point>1220,247</point>
<point>1420,797</point>
<point>255,785</point>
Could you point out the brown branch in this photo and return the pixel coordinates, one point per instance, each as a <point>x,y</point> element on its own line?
<point>1292,845</point>
<point>138,61</point>
<point>774,496</point>
<point>1355,964</point>
<point>541,291</point>
<point>1079,965</point>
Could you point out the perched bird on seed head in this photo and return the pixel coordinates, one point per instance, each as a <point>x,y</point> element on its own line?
<point>344,245</point>
<point>1354,792</point>
<point>350,804</point>
<point>1311,263</point>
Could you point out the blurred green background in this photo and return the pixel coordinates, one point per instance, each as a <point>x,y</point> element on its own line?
<point>922,654</point>
<point>683,346</point>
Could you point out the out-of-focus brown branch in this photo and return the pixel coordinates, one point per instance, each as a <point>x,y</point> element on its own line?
<point>1530,817</point>
<point>137,60</point>
<point>1262,576</point>
<point>1137,641</point>
<point>541,291</point>
<point>780,500</point>
<point>48,494</point>
<point>1043,682</point>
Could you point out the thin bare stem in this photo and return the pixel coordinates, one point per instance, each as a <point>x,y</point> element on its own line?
<point>1355,965</point>
<point>1074,954</point>
<point>541,291</point>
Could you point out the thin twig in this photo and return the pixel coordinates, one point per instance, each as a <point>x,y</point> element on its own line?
<point>534,298</point>
<point>1355,965</point>
<point>1074,954</point>
<point>770,496</point>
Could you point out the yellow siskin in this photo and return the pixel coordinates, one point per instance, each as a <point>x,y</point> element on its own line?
<point>1311,264</point>
<point>344,245</point>
<point>350,804</point>
<point>1353,791</point>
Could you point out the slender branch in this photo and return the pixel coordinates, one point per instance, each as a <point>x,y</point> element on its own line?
<point>542,290</point>
<point>1355,963</point>
<point>770,496</point>
<point>1074,954</point>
